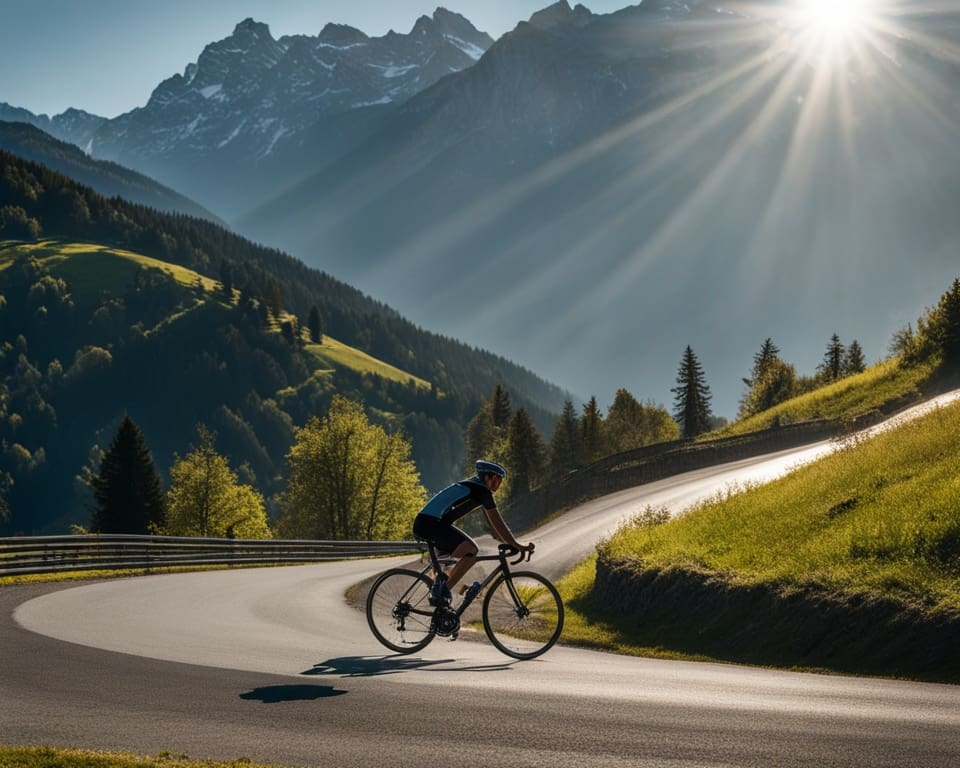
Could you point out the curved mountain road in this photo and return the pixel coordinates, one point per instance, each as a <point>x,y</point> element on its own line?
<point>272,664</point>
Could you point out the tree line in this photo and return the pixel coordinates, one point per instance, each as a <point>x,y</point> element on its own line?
<point>349,479</point>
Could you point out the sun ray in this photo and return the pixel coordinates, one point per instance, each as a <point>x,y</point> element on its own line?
<point>801,99</point>
<point>474,217</point>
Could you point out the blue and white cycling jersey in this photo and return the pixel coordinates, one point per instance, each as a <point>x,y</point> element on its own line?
<point>456,500</point>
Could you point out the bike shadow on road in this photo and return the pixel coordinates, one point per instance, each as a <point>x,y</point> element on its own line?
<point>369,666</point>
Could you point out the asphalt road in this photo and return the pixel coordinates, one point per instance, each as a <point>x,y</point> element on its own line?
<point>274,665</point>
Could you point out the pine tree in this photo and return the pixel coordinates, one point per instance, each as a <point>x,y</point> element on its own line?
<point>290,331</point>
<point>763,362</point>
<point>525,454</point>
<point>853,360</point>
<point>692,401</point>
<point>315,325</point>
<point>226,279</point>
<point>500,404</point>
<point>486,434</point>
<point>591,431</point>
<point>941,327</point>
<point>274,299</point>
<point>831,368</point>
<point>480,438</point>
<point>769,352</point>
<point>127,489</point>
<point>565,443</point>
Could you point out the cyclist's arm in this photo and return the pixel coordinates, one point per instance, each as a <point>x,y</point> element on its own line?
<point>500,529</point>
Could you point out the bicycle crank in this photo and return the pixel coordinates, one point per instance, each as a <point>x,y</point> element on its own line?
<point>446,623</point>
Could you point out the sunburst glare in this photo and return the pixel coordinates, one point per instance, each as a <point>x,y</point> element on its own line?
<point>777,142</point>
<point>830,25</point>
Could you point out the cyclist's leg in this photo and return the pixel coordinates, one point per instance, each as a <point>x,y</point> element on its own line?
<point>459,545</point>
<point>449,540</point>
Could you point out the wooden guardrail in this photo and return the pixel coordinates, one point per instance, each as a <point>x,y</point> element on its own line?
<point>53,554</point>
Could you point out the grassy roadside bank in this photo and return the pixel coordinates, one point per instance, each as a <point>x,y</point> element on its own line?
<point>850,564</point>
<point>46,757</point>
<point>882,387</point>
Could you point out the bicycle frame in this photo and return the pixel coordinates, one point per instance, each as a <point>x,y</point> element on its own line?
<point>503,568</point>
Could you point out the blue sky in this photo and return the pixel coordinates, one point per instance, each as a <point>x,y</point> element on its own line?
<point>106,56</point>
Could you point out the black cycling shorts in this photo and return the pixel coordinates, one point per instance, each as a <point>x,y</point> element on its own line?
<point>444,536</point>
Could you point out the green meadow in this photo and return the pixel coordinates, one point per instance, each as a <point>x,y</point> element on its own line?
<point>331,353</point>
<point>91,269</point>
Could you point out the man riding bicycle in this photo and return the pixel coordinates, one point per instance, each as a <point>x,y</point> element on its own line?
<point>435,523</point>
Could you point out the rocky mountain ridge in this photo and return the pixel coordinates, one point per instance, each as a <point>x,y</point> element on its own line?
<point>252,112</point>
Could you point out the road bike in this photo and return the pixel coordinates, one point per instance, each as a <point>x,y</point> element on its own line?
<point>522,611</point>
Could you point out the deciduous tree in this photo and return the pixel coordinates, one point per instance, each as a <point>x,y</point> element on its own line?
<point>624,424</point>
<point>777,383</point>
<point>350,479</point>
<point>206,499</point>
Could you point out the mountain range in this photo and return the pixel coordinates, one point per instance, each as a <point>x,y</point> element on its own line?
<point>236,126</point>
<point>590,193</point>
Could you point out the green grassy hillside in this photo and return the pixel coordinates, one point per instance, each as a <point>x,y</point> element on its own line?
<point>92,269</point>
<point>332,354</point>
<point>878,387</point>
<point>880,515</point>
<point>843,563</point>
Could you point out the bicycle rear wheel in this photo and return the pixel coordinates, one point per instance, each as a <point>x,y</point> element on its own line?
<point>523,614</point>
<point>398,612</point>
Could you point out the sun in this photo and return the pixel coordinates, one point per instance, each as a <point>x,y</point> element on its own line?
<point>832,22</point>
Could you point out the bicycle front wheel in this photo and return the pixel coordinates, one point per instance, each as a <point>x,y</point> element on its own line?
<point>398,612</point>
<point>523,614</point>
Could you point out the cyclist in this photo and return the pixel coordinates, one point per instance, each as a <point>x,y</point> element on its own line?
<point>435,523</point>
